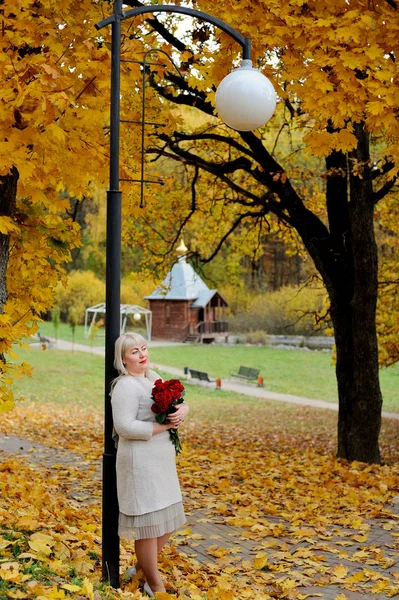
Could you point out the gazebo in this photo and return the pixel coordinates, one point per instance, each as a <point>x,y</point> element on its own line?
<point>184,308</point>
<point>92,313</point>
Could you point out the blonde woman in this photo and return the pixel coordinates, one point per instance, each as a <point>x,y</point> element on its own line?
<point>150,501</point>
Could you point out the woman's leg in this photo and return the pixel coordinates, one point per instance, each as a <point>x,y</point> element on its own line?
<point>161,541</point>
<point>147,558</point>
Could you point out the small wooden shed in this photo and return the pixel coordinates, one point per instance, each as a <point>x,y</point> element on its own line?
<point>184,308</point>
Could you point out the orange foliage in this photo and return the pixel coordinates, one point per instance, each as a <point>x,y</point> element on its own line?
<point>272,484</point>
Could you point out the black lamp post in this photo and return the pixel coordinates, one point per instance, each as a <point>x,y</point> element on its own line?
<point>237,94</point>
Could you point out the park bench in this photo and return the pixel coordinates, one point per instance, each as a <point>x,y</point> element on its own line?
<point>247,373</point>
<point>201,376</point>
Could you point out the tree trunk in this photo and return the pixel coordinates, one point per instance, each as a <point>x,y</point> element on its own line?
<point>346,257</point>
<point>8,196</point>
<point>360,400</point>
<point>353,295</point>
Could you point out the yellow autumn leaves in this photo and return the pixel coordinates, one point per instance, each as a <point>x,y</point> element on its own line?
<point>270,512</point>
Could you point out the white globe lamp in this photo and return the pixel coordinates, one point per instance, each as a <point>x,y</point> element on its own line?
<point>245,99</point>
<point>137,316</point>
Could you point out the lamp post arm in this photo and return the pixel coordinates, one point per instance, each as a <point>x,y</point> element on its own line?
<point>245,43</point>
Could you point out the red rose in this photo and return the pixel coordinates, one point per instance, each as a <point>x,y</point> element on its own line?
<point>166,394</point>
<point>175,385</point>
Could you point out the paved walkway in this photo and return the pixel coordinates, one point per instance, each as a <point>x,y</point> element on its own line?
<point>247,389</point>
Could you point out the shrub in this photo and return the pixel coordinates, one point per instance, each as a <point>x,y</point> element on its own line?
<point>256,337</point>
<point>83,289</point>
<point>133,290</point>
<point>239,298</point>
<point>291,310</point>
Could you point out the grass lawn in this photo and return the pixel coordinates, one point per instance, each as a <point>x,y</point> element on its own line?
<point>62,377</point>
<point>65,333</point>
<point>69,378</point>
<point>299,372</point>
<point>78,377</point>
<point>309,374</point>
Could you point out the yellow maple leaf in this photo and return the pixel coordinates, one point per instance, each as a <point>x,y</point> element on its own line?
<point>340,571</point>
<point>18,594</point>
<point>7,225</point>
<point>87,589</point>
<point>41,543</point>
<point>375,107</point>
<point>9,571</point>
<point>260,560</point>
<point>53,594</point>
<point>71,588</point>
<point>28,523</point>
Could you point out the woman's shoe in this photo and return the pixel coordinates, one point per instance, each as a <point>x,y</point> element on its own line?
<point>148,590</point>
<point>131,572</point>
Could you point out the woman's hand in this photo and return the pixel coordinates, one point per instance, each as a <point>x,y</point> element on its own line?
<point>177,418</point>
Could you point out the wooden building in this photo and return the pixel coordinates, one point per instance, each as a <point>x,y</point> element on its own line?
<point>184,308</point>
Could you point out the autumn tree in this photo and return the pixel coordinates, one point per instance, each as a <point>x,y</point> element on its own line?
<point>334,65</point>
<point>53,120</point>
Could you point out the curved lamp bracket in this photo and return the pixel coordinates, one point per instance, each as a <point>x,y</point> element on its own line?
<point>134,12</point>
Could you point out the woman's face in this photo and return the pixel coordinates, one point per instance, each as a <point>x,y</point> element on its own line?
<point>136,360</point>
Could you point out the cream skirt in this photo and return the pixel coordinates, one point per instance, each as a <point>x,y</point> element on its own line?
<point>152,525</point>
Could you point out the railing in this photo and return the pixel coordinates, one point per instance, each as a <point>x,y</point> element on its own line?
<point>212,327</point>
<point>186,330</point>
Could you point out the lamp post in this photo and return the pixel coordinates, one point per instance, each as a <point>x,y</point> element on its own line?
<point>245,100</point>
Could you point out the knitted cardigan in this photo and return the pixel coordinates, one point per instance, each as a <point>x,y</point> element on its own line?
<point>145,464</point>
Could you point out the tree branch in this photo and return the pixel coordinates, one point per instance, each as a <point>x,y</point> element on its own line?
<point>384,190</point>
<point>160,28</point>
<point>217,138</point>
<point>386,167</point>
<point>185,156</point>
<point>191,97</point>
<point>234,226</point>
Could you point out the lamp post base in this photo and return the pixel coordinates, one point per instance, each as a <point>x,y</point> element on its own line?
<point>110,537</point>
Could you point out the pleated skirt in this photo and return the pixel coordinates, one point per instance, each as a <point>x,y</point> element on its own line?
<point>153,524</point>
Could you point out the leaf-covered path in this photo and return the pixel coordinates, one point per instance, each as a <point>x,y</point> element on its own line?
<point>268,517</point>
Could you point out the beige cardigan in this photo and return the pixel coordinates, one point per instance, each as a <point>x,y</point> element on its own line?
<point>145,464</point>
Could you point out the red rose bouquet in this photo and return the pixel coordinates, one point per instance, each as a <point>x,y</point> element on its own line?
<point>166,395</point>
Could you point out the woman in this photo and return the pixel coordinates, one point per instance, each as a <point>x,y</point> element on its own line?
<point>150,501</point>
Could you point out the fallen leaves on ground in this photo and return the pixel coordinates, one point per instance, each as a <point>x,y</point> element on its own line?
<point>295,516</point>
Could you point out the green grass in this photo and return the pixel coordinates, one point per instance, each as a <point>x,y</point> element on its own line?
<point>65,333</point>
<point>76,378</point>
<point>79,377</point>
<point>62,377</point>
<point>309,374</point>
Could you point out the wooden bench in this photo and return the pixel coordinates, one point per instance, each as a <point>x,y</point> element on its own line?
<point>247,373</point>
<point>201,375</point>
